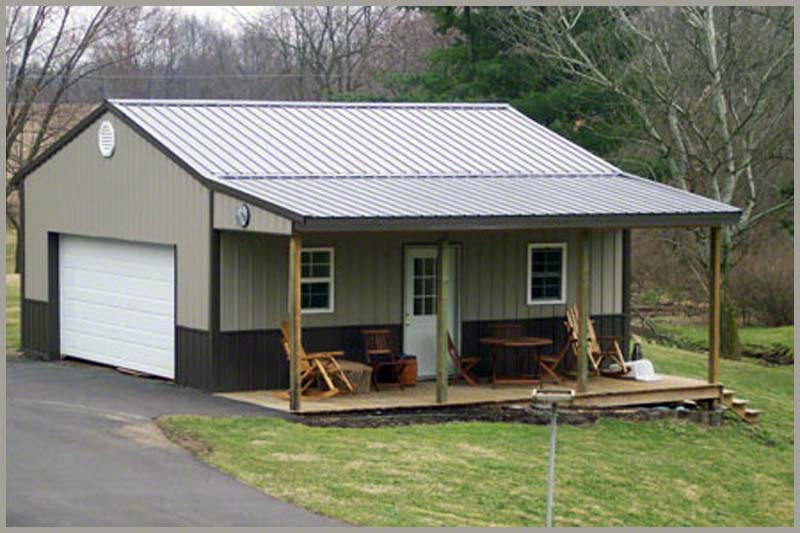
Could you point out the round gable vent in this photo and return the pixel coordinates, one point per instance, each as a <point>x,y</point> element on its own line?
<point>106,140</point>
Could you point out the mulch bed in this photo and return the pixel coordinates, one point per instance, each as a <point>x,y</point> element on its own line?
<point>505,413</point>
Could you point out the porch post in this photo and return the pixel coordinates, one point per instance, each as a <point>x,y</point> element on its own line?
<point>295,327</point>
<point>442,310</point>
<point>584,251</point>
<point>714,307</point>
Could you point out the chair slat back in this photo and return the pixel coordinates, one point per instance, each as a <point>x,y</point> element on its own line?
<point>574,321</point>
<point>285,340</point>
<point>453,351</point>
<point>506,331</point>
<point>377,342</point>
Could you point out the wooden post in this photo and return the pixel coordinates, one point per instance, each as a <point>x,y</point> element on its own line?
<point>715,303</point>
<point>442,318</point>
<point>295,325</point>
<point>584,253</point>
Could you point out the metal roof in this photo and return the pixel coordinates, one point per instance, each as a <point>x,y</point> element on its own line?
<point>403,161</point>
<point>476,196</point>
<point>287,139</point>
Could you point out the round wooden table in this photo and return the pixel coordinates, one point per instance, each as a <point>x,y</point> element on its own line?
<point>532,344</point>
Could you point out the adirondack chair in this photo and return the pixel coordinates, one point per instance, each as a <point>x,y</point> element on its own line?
<point>463,365</point>
<point>316,365</point>
<point>380,354</point>
<point>600,348</point>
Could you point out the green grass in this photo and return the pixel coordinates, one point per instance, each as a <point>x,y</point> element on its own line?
<point>12,313</point>
<point>613,473</point>
<point>753,339</point>
<point>12,296</point>
<point>11,243</point>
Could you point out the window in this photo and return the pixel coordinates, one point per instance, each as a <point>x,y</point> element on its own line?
<point>547,273</point>
<point>316,280</point>
<point>424,286</point>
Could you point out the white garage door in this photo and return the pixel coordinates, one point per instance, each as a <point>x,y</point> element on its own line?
<point>117,303</point>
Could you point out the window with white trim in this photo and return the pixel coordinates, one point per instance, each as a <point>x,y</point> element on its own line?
<point>316,280</point>
<point>547,273</point>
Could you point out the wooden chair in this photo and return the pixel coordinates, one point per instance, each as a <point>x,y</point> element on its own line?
<point>549,363</point>
<point>463,365</point>
<point>379,354</point>
<point>597,351</point>
<point>316,365</point>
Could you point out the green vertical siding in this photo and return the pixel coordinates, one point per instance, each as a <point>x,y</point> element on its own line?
<point>368,276</point>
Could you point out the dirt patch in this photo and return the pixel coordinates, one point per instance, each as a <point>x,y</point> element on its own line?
<point>196,447</point>
<point>147,434</point>
<point>292,457</point>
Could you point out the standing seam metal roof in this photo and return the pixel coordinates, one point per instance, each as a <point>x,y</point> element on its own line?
<point>270,139</point>
<point>378,160</point>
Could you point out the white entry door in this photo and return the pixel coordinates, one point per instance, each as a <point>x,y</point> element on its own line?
<point>419,324</point>
<point>117,303</point>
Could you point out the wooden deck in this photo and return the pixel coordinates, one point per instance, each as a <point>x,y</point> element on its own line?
<point>602,392</point>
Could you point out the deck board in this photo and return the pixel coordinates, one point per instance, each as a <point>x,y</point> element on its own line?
<point>602,392</point>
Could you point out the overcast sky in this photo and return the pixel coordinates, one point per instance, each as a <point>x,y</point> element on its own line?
<point>224,14</point>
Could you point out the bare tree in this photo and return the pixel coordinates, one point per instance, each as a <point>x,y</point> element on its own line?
<point>48,51</point>
<point>711,88</point>
<point>326,47</point>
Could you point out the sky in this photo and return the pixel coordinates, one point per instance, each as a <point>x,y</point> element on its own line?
<point>227,15</point>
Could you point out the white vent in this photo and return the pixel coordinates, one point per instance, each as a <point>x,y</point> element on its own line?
<point>106,140</point>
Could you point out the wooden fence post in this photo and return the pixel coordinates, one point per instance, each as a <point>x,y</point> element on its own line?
<point>584,251</point>
<point>715,303</point>
<point>442,318</point>
<point>295,325</point>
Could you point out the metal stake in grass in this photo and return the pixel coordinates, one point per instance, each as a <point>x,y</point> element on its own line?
<point>552,398</point>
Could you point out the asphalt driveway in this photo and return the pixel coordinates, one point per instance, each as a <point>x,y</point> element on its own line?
<point>82,450</point>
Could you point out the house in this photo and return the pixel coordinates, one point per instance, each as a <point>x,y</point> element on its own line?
<point>158,234</point>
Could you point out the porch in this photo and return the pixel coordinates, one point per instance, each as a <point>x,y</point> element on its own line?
<point>592,390</point>
<point>601,392</point>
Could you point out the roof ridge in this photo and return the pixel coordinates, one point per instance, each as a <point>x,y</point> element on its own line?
<point>134,102</point>
<point>412,176</point>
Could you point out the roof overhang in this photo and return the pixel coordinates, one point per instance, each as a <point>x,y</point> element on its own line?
<point>603,221</point>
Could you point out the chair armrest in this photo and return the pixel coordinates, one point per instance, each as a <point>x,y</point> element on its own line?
<point>320,355</point>
<point>379,351</point>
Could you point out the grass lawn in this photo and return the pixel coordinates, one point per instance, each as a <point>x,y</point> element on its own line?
<point>613,473</point>
<point>12,296</point>
<point>12,313</point>
<point>11,243</point>
<point>753,339</point>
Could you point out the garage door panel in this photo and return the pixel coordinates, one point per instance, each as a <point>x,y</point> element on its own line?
<point>138,267</point>
<point>117,303</point>
<point>126,302</point>
<point>113,285</point>
<point>120,353</point>
<point>98,321</point>
<point>82,331</point>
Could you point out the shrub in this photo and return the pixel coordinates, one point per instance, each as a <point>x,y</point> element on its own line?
<point>762,284</point>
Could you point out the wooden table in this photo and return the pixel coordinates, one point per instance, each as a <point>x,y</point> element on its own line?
<point>514,342</point>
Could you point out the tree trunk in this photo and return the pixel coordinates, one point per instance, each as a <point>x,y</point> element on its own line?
<point>18,245</point>
<point>729,344</point>
<point>18,254</point>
